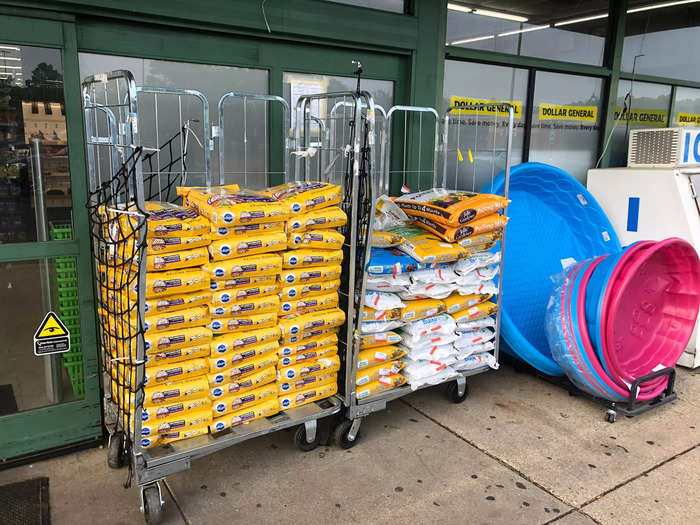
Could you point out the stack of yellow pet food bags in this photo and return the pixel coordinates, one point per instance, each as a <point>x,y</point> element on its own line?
<point>176,336</point>
<point>308,362</point>
<point>248,232</point>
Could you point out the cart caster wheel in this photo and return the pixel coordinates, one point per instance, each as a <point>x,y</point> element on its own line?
<point>153,506</point>
<point>341,435</point>
<point>115,450</point>
<point>453,392</point>
<point>610,416</point>
<point>301,442</point>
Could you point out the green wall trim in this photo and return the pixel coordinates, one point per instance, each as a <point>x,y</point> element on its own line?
<point>37,250</point>
<point>34,31</point>
<point>313,19</point>
<point>462,53</point>
<point>660,80</point>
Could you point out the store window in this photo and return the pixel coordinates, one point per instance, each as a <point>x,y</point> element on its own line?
<point>566,122</point>
<point>661,38</point>
<point>160,121</point>
<point>686,107</point>
<point>35,187</point>
<point>395,6</point>
<point>649,104</point>
<point>482,136</point>
<point>568,31</point>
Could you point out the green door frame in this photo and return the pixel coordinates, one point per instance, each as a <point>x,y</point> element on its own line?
<point>55,426</point>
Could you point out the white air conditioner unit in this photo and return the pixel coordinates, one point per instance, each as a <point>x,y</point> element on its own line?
<point>664,148</point>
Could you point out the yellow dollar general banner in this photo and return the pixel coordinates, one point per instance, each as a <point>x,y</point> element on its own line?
<point>645,117</point>
<point>554,112</point>
<point>688,119</point>
<point>500,108</point>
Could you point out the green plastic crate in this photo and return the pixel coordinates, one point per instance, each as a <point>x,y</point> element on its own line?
<point>60,232</point>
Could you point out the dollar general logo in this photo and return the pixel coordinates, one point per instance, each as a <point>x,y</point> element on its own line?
<point>492,107</point>
<point>644,117</point>
<point>688,119</point>
<point>555,112</point>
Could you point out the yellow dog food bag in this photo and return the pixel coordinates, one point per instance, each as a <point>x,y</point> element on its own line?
<point>309,304</point>
<point>258,265</point>
<point>176,422</point>
<point>303,197</point>
<point>234,402</point>
<point>304,397</point>
<point>315,343</point>
<point>323,365</point>
<point>242,341</point>
<point>234,373</point>
<point>306,258</point>
<point>186,191</point>
<point>316,239</point>
<point>451,208</point>
<point>383,384</point>
<point>176,356</point>
<point>303,291</point>
<point>303,357</point>
<point>317,274</point>
<point>267,408</point>
<point>175,372</point>
<point>386,239</point>
<point>228,232</point>
<point>174,339</point>
<point>242,282</point>
<point>378,355</point>
<point>487,224</point>
<point>303,383</point>
<point>221,325</point>
<point>221,361</point>
<point>370,314</point>
<point>254,305</point>
<point>161,284</point>
<point>170,220</point>
<point>247,245</point>
<point>175,435</point>
<point>373,373</point>
<point>181,391</point>
<point>175,303</point>
<point>421,308</point>
<point>262,377</point>
<point>456,302</point>
<point>478,311</point>
<point>321,320</point>
<point>166,410</point>
<point>224,206</point>
<point>305,337</point>
<point>162,245</point>
<point>238,295</point>
<point>379,339</point>
<point>197,316</point>
<point>427,248</point>
<point>319,219</point>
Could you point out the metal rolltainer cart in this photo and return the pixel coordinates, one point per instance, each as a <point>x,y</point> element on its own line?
<point>123,169</point>
<point>456,144</point>
<point>338,145</point>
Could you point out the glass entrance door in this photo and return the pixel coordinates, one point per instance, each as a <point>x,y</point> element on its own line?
<point>46,400</point>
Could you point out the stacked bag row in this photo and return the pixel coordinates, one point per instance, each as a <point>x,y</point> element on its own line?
<point>430,286</point>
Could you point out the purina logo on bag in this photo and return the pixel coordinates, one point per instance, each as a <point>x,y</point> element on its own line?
<point>228,217</point>
<point>289,279</point>
<point>219,272</point>
<point>219,425</point>
<point>145,431</point>
<point>221,348</point>
<point>216,325</point>
<point>219,310</point>
<point>146,442</point>
<point>290,374</point>
<point>220,363</point>
<point>285,386</point>
<point>147,345</point>
<point>225,249</point>
<point>219,378</point>
<point>294,330</point>
<point>220,407</point>
<point>222,230</point>
<point>217,392</point>
<point>293,260</point>
<point>292,293</point>
<point>296,207</point>
<point>286,307</point>
<point>144,415</point>
<point>213,285</point>
<point>286,361</point>
<point>286,403</point>
<point>225,297</point>
<point>296,224</point>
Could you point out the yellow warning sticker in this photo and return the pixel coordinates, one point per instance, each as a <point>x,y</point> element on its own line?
<point>556,112</point>
<point>459,155</point>
<point>499,107</point>
<point>688,119</point>
<point>52,336</point>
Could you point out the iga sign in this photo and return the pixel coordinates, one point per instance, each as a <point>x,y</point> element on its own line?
<point>690,147</point>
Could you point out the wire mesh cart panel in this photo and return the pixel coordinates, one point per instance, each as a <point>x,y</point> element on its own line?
<point>131,164</point>
<point>454,142</point>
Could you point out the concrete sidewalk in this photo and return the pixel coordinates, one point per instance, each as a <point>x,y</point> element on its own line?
<point>518,450</point>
